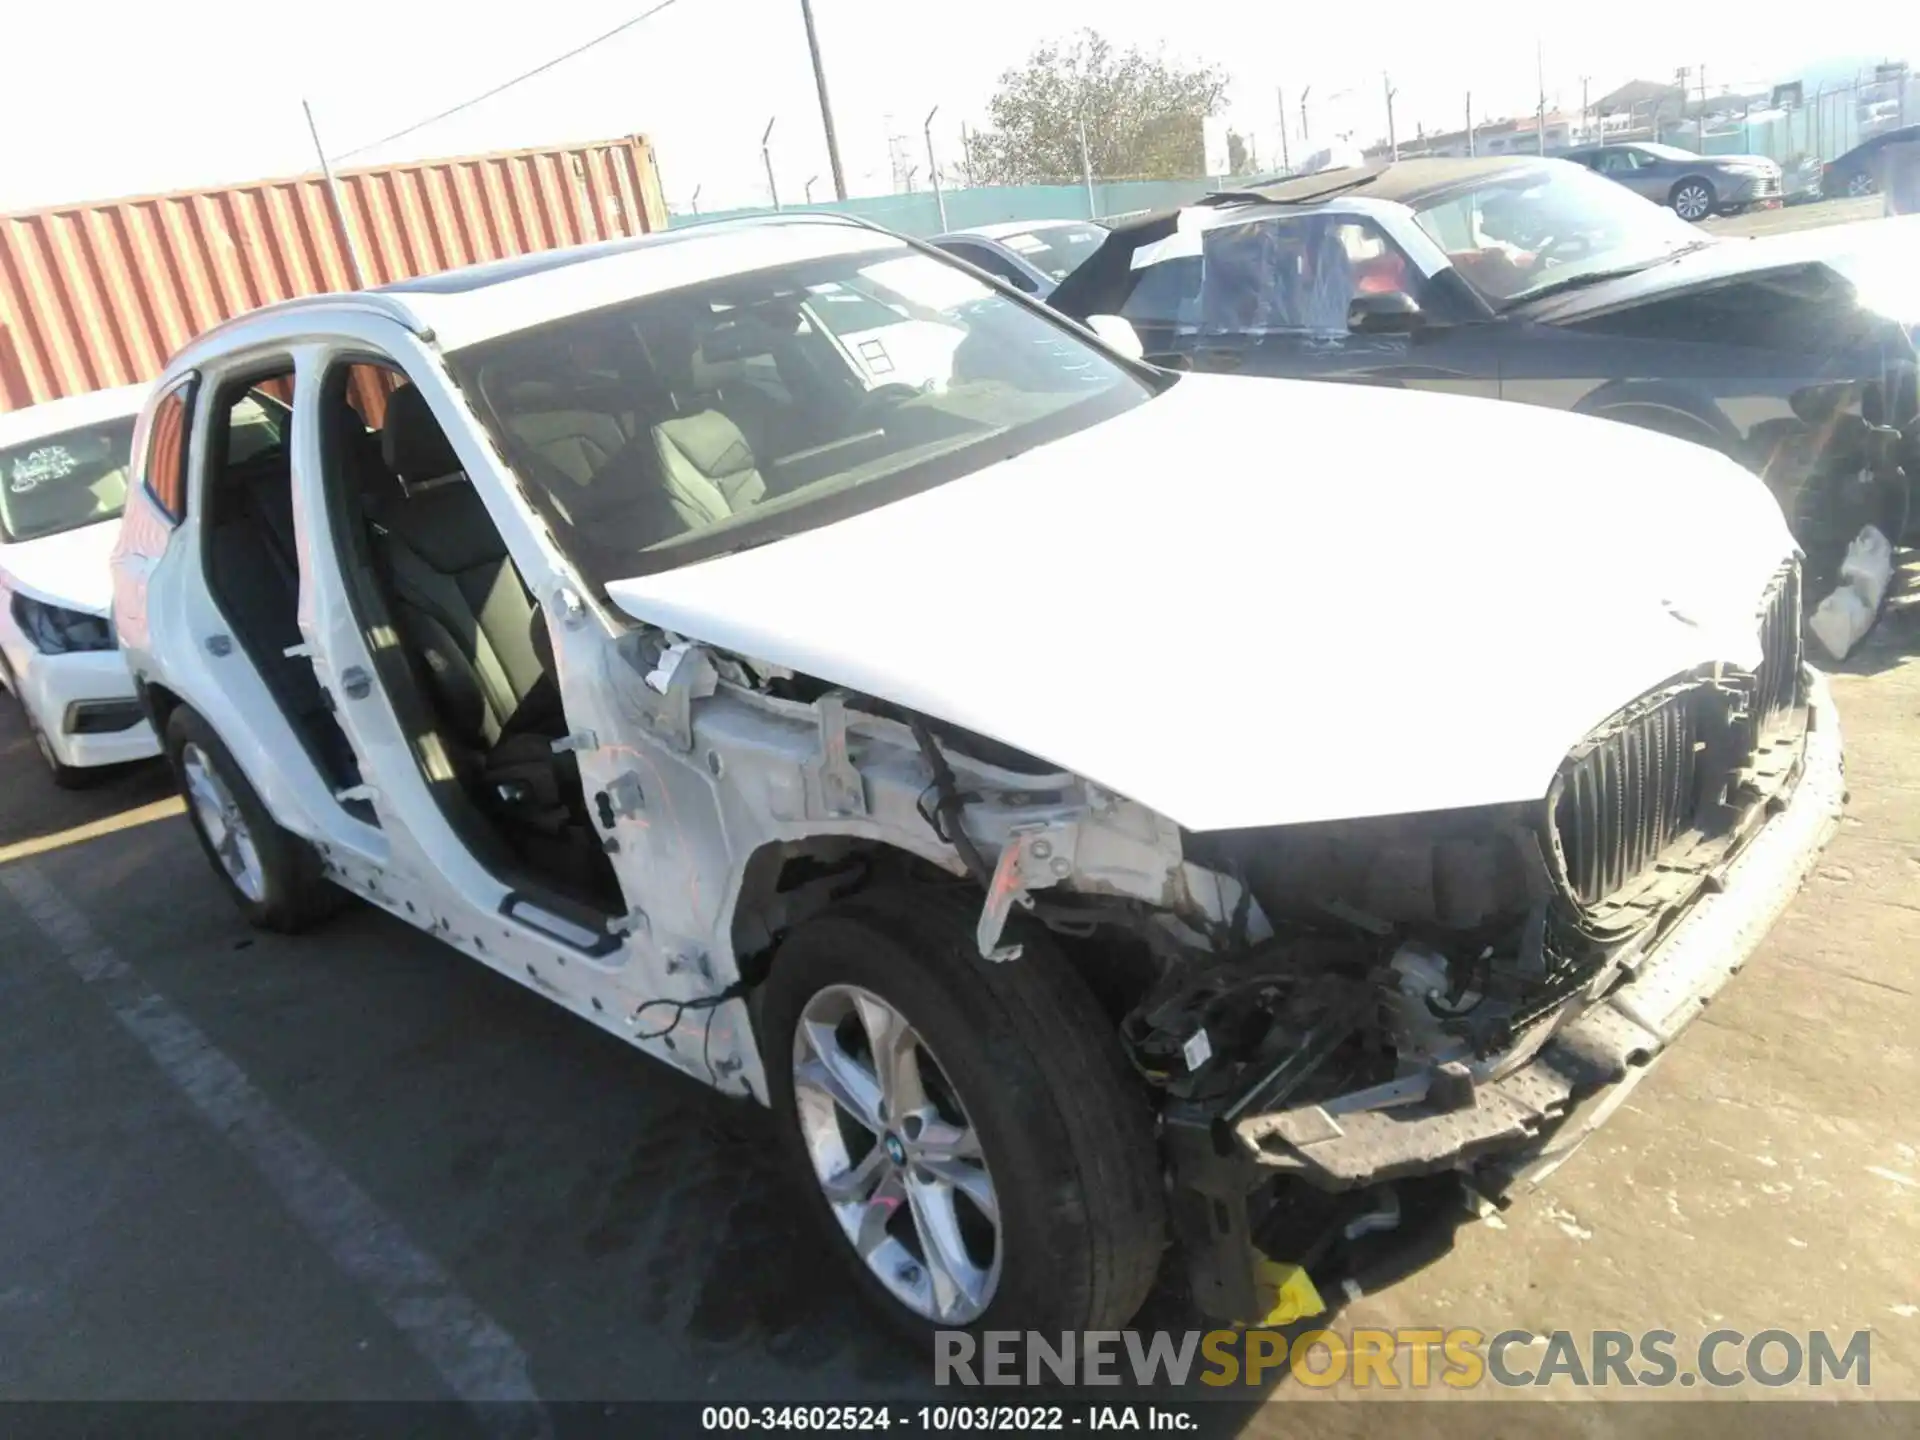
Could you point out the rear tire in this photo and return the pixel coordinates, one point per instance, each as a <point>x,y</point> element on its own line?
<point>1026,1064</point>
<point>273,875</point>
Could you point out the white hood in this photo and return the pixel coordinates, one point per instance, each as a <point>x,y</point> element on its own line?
<point>1255,602</point>
<point>68,569</point>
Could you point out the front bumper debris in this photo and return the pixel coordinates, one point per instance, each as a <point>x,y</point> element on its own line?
<point>1506,1134</point>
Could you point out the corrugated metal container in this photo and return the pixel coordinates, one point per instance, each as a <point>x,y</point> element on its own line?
<point>97,295</point>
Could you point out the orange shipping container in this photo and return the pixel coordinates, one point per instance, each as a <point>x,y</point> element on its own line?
<point>95,295</point>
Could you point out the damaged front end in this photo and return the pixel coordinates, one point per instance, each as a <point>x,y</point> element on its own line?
<point>1463,996</point>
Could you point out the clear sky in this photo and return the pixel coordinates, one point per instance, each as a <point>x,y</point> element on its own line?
<point>112,98</point>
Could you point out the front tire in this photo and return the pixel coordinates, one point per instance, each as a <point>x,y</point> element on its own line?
<point>967,1131</point>
<point>273,875</point>
<point>65,776</point>
<point>1693,200</point>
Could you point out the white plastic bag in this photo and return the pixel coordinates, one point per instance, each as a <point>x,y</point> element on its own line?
<point>1847,614</point>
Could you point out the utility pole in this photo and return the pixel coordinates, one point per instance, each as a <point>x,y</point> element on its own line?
<point>1700,127</point>
<point>933,169</point>
<point>1286,160</point>
<point>966,154</point>
<point>766,159</point>
<point>826,105</point>
<point>1586,111</point>
<point>354,269</point>
<point>1540,114</point>
<point>1086,171</point>
<point>1469,122</point>
<point>1308,90</point>
<point>1393,143</point>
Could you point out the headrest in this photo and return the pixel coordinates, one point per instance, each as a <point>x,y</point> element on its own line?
<point>412,442</point>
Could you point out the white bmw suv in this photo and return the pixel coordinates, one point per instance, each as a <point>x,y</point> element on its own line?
<point>1096,809</point>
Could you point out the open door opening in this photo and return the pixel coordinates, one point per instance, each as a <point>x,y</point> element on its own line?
<point>253,562</point>
<point>459,645</point>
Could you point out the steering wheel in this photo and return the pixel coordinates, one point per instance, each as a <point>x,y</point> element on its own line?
<point>1558,249</point>
<point>885,397</point>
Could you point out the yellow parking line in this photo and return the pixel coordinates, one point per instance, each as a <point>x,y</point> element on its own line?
<point>93,829</point>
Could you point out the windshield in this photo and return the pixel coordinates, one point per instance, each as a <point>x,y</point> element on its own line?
<point>1520,235</point>
<point>681,425</point>
<point>61,482</point>
<point>1056,250</point>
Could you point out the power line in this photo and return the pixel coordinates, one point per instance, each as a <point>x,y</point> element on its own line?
<point>623,26</point>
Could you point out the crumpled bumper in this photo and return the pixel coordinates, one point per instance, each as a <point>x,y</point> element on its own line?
<point>84,704</point>
<point>1510,1132</point>
<point>1532,1119</point>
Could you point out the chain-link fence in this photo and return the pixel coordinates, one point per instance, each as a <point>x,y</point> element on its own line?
<point>1788,123</point>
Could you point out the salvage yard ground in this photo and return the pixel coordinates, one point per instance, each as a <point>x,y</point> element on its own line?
<point>356,1165</point>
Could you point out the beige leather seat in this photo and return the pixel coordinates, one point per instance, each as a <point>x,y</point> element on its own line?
<point>707,467</point>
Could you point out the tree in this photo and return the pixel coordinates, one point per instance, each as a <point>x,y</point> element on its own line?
<point>1241,159</point>
<point>1142,115</point>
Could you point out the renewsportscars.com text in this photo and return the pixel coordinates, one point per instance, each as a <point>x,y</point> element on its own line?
<point>1410,1358</point>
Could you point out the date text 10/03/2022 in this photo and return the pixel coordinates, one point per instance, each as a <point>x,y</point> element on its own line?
<point>1010,1419</point>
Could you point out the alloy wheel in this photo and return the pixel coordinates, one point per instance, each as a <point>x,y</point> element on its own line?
<point>225,826</point>
<point>1859,183</point>
<point>1693,202</point>
<point>895,1155</point>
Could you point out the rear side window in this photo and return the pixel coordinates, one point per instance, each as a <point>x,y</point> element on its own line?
<point>167,453</point>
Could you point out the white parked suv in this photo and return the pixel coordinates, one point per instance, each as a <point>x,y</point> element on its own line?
<point>63,481</point>
<point>1096,809</point>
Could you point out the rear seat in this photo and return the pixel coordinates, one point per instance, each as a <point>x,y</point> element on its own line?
<point>253,561</point>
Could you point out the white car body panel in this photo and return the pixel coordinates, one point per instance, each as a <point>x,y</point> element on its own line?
<point>70,570</point>
<point>1172,575</point>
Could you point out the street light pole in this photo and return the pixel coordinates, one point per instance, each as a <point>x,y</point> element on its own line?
<point>826,105</point>
<point>1393,143</point>
<point>766,159</point>
<point>933,170</point>
<point>1086,171</point>
<point>1308,90</point>
<point>1286,161</point>
<point>1540,115</point>
<point>354,267</point>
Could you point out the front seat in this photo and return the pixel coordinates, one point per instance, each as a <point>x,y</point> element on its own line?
<point>460,603</point>
<point>707,467</point>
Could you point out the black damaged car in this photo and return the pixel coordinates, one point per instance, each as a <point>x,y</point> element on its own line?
<point>1536,280</point>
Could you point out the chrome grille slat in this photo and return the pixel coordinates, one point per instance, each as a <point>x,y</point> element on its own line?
<point>1776,682</point>
<point>1630,796</point>
<point>1635,787</point>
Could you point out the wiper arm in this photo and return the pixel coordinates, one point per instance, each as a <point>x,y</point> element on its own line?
<point>1577,282</point>
<point>1595,277</point>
